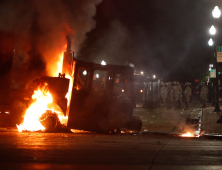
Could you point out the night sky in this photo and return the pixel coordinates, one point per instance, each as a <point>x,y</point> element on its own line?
<point>168,38</point>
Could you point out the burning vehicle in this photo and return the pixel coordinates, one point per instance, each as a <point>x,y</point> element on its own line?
<point>84,96</point>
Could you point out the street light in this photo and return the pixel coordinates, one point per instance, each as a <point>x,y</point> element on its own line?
<point>210,42</point>
<point>131,65</point>
<point>154,76</point>
<point>212,30</point>
<point>103,63</point>
<point>216,12</point>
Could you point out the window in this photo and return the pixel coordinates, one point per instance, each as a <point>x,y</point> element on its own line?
<point>122,85</point>
<point>82,79</point>
<point>100,79</point>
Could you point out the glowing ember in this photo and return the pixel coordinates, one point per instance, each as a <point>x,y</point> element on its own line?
<point>79,131</point>
<point>31,120</point>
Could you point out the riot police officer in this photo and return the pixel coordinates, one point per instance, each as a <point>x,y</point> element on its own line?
<point>187,94</point>
<point>170,96</point>
<point>203,94</point>
<point>163,92</point>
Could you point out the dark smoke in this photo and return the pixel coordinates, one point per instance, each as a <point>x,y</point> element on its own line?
<point>36,62</point>
<point>113,45</point>
<point>40,27</point>
<point>166,38</point>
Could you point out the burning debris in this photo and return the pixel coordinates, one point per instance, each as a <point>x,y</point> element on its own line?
<point>41,99</point>
<point>50,120</point>
<point>40,116</point>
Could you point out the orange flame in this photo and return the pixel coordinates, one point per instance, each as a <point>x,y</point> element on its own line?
<point>36,109</point>
<point>43,99</point>
<point>55,68</point>
<point>59,65</point>
<point>69,93</point>
<point>188,134</point>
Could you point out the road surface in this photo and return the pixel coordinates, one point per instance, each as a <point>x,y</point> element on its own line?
<point>58,151</point>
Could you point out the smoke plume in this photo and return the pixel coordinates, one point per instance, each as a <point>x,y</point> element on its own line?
<point>41,28</point>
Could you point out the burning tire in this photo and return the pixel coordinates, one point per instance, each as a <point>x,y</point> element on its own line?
<point>52,124</point>
<point>49,120</point>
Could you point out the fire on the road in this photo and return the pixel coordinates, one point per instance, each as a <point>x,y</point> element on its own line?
<point>31,120</point>
<point>188,134</point>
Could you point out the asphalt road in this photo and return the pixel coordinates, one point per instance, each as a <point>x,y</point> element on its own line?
<point>91,151</point>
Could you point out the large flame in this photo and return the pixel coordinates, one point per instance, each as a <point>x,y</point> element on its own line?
<point>55,68</point>
<point>41,99</point>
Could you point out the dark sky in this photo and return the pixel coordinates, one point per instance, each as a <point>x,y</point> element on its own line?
<point>164,37</point>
